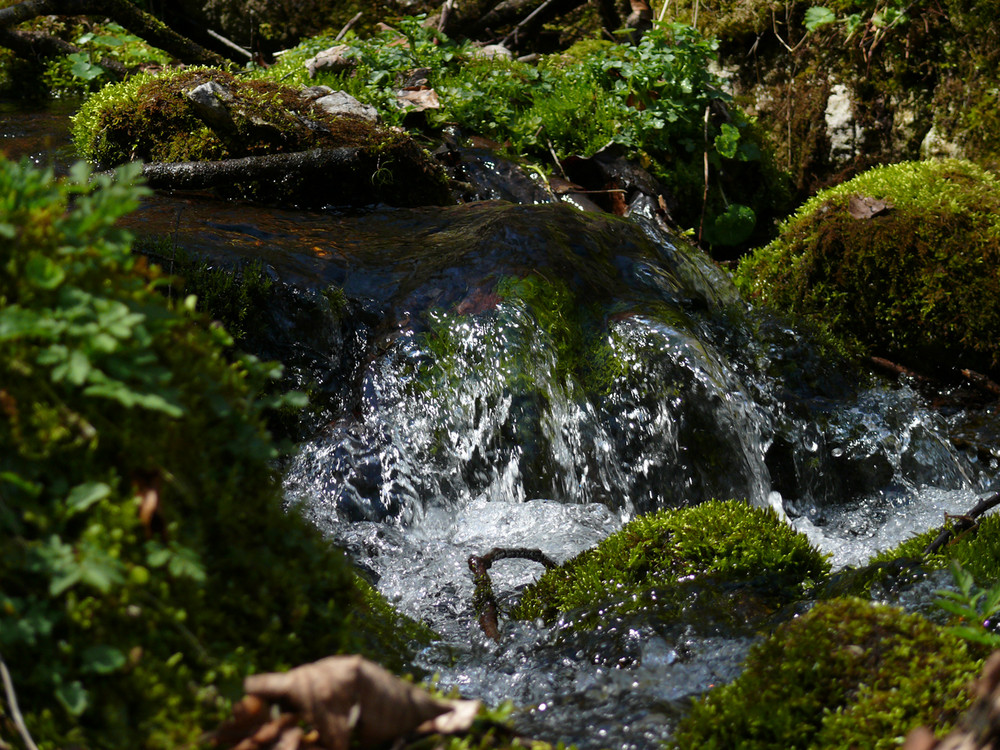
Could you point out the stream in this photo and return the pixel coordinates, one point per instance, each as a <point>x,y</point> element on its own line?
<point>535,376</point>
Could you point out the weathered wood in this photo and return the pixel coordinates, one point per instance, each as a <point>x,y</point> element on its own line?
<point>483,600</point>
<point>140,23</point>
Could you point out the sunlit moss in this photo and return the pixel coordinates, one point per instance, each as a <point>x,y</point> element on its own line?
<point>654,561</point>
<point>847,674</point>
<point>917,282</point>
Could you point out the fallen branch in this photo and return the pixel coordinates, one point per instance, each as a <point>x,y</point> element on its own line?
<point>483,600</point>
<point>962,523</point>
<point>341,176</point>
<point>140,23</point>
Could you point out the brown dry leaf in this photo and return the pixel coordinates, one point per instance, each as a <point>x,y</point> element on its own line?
<point>418,99</point>
<point>345,696</point>
<point>332,59</point>
<point>864,207</point>
<point>147,489</point>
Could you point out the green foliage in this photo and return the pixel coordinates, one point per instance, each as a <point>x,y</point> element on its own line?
<point>847,674</point>
<point>728,541</point>
<point>658,100</point>
<point>975,608</point>
<point>917,282</point>
<point>82,72</point>
<point>147,563</point>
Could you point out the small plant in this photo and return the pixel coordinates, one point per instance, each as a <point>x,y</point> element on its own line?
<point>977,609</point>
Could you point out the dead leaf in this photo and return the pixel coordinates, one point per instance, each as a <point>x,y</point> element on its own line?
<point>147,490</point>
<point>418,99</point>
<point>332,58</point>
<point>341,697</point>
<point>864,207</point>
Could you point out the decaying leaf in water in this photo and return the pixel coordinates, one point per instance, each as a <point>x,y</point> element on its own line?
<point>340,697</point>
<point>864,207</point>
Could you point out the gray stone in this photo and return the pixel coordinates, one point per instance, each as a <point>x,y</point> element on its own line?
<point>841,127</point>
<point>340,103</point>
<point>209,102</point>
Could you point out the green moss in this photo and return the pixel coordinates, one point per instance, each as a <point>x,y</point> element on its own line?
<point>918,283</point>
<point>123,627</point>
<point>846,674</point>
<point>655,559</point>
<point>977,549</point>
<point>150,118</point>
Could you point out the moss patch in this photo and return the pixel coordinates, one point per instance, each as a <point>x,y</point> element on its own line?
<point>150,118</point>
<point>918,282</point>
<point>847,674</point>
<point>655,559</point>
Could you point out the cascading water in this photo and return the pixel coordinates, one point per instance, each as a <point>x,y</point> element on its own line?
<point>550,375</point>
<point>534,377</point>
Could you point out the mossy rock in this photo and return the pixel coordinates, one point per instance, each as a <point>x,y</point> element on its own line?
<point>916,280</point>
<point>976,549</point>
<point>848,673</point>
<point>658,561</point>
<point>150,118</point>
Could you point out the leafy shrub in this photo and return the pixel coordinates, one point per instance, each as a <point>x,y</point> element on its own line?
<point>918,281</point>
<point>730,541</point>
<point>147,562</point>
<point>847,674</point>
<point>652,99</point>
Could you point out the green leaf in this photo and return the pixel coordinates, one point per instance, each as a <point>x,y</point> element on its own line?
<point>733,226</point>
<point>727,141</point>
<point>43,272</point>
<point>73,697</point>
<point>818,16</point>
<point>84,495</point>
<point>103,659</point>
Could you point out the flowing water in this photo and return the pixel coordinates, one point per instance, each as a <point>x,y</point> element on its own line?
<point>533,376</point>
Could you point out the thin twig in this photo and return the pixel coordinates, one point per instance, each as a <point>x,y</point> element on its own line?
<point>483,599</point>
<point>528,19</point>
<point>348,25</point>
<point>704,197</point>
<point>8,687</point>
<point>663,11</point>
<point>229,43</point>
<point>963,523</point>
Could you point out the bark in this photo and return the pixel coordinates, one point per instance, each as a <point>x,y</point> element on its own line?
<point>199,175</point>
<point>142,24</point>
